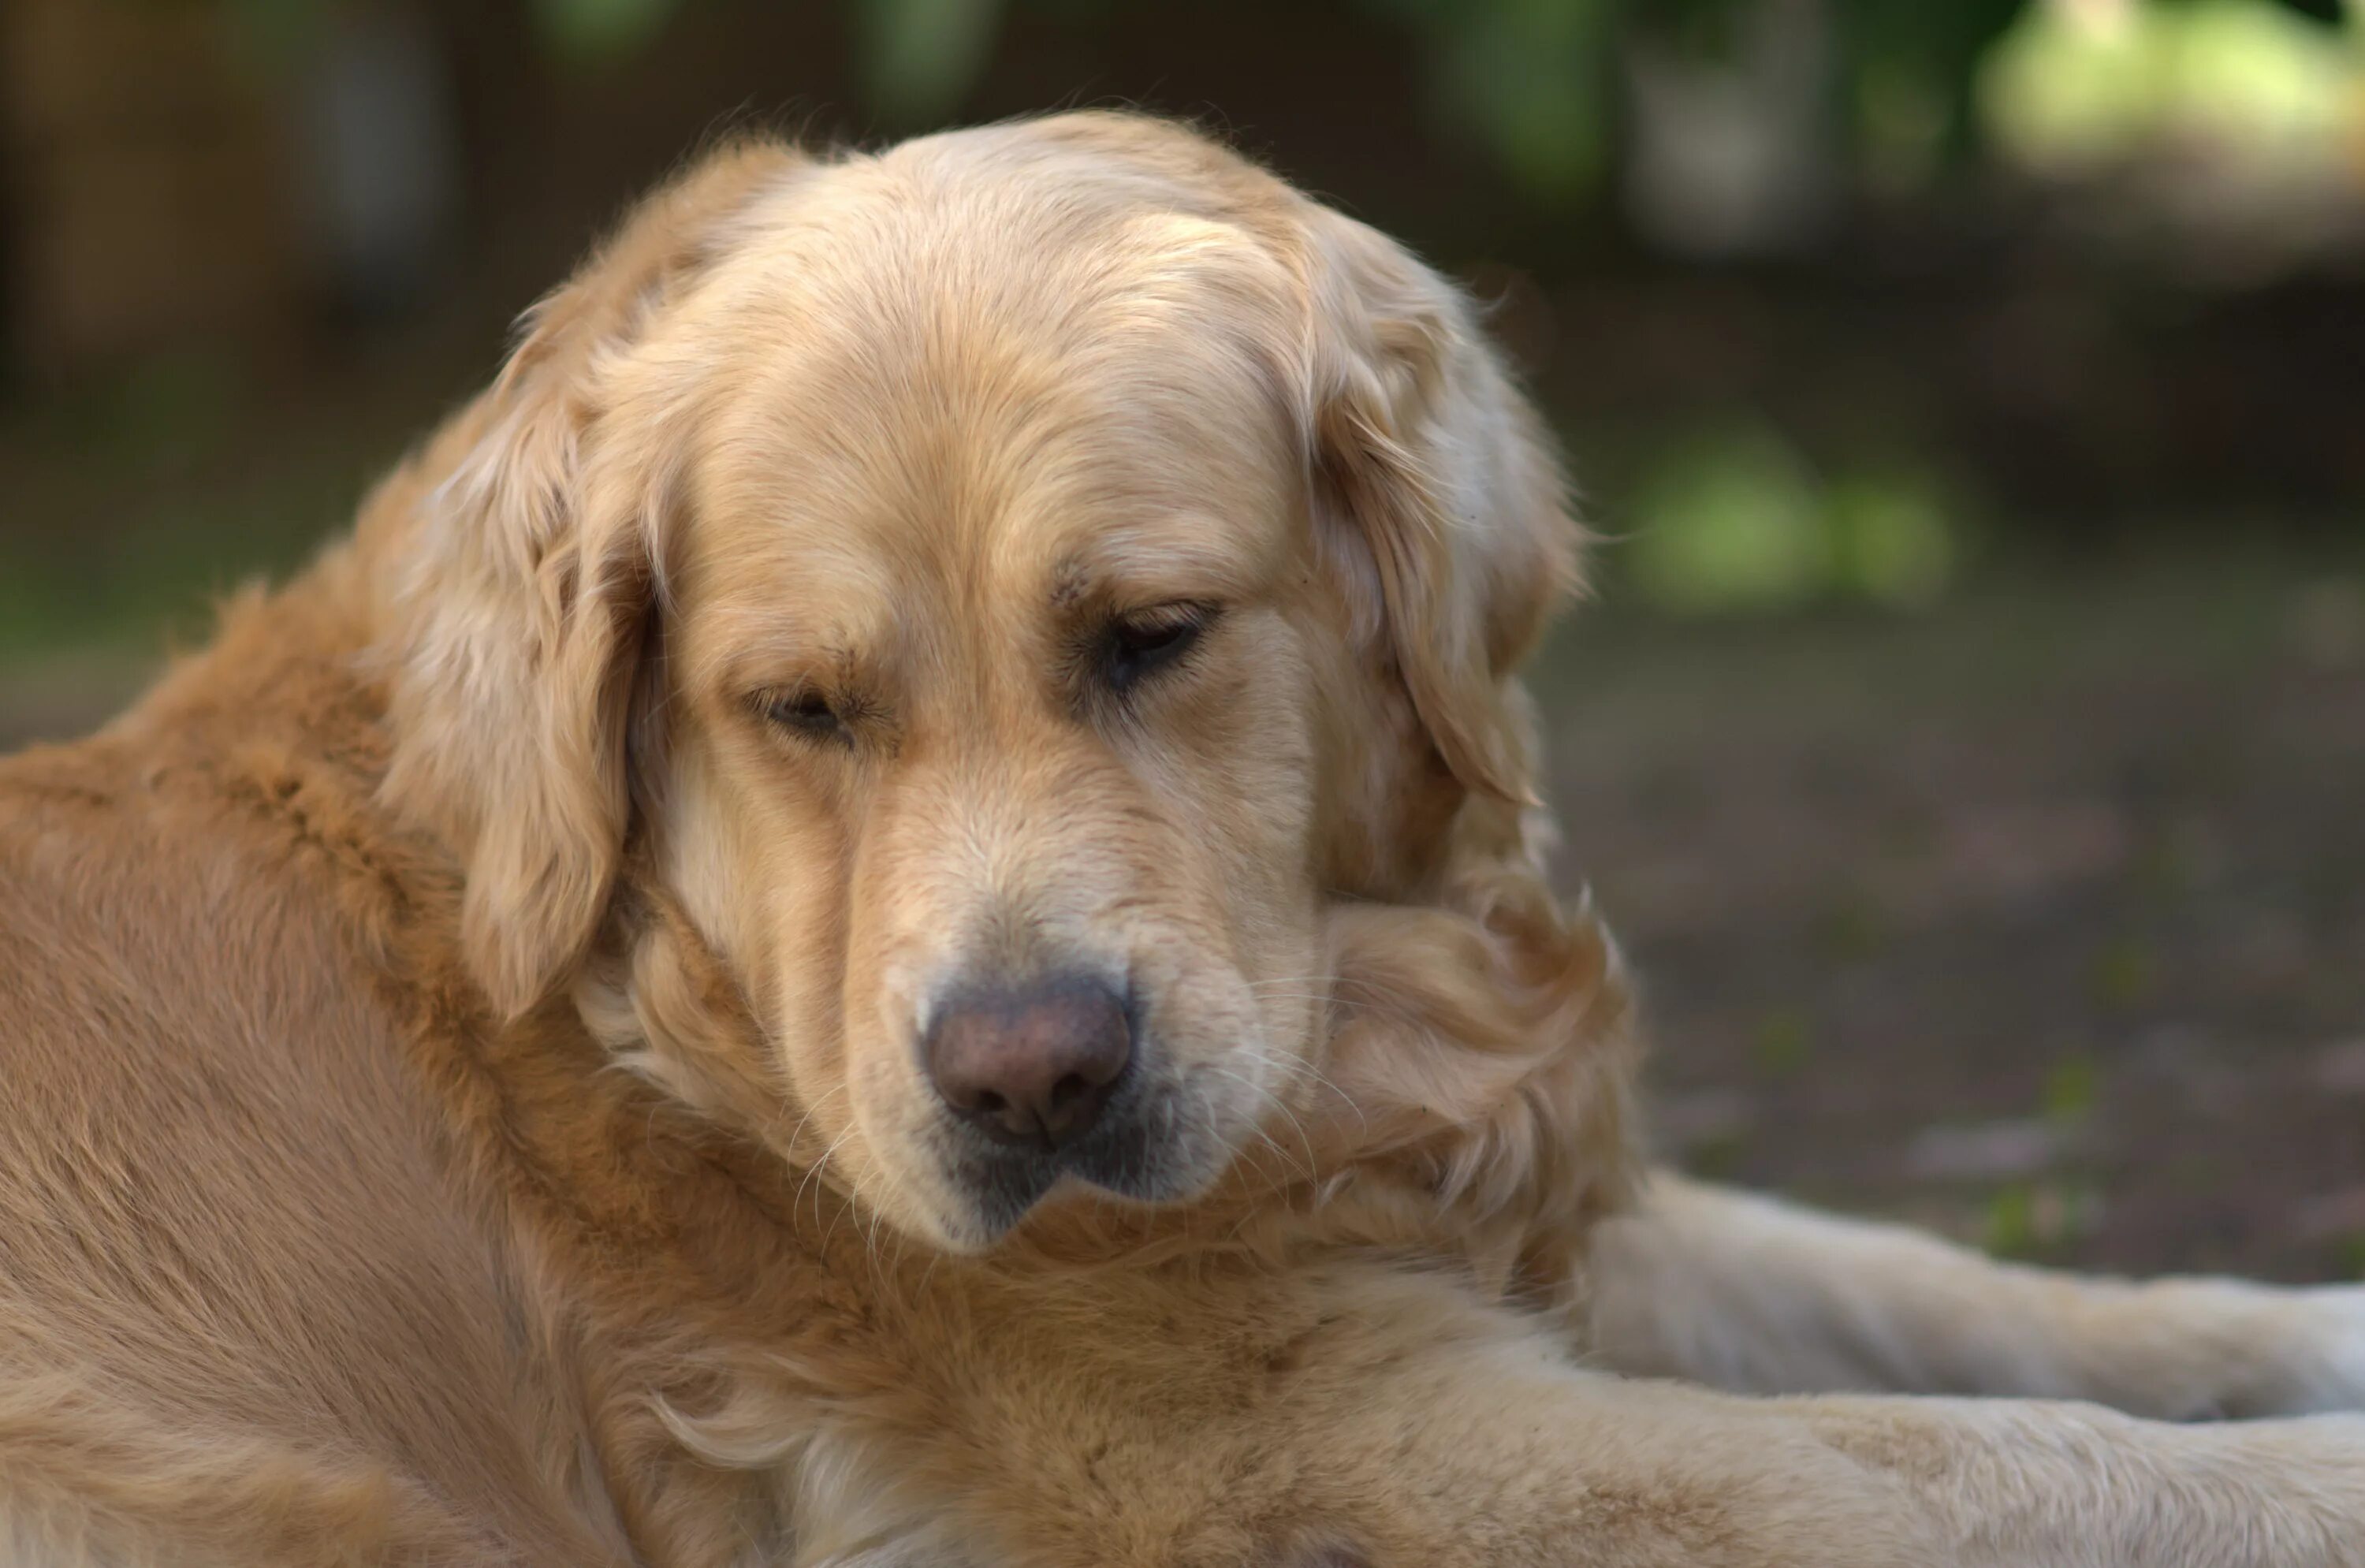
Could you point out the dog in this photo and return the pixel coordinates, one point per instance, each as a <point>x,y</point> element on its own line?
<point>887,909</point>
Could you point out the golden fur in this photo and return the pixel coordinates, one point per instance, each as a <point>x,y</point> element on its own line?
<point>462,1102</point>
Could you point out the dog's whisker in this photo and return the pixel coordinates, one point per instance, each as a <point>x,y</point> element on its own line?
<point>1312,1162</point>
<point>790,1144</point>
<point>1309,1070</point>
<point>814,1172</point>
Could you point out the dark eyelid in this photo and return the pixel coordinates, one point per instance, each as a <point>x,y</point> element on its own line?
<point>810,713</point>
<point>1140,645</point>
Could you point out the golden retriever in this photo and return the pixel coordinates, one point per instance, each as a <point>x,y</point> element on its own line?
<point>886,912</point>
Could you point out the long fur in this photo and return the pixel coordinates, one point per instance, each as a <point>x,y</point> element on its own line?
<point>463,1102</point>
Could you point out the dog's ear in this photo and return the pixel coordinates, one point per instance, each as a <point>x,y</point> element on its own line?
<point>537,565</point>
<point>1441,480</point>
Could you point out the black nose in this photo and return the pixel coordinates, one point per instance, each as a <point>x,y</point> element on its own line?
<point>1030,1065</point>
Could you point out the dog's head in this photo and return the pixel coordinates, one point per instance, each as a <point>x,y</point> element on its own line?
<point>929,648</point>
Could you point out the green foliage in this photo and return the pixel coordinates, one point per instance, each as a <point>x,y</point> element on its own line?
<point>1533,81</point>
<point>1734,519</point>
<point>921,58</point>
<point>2069,97</point>
<point>1528,78</point>
<point>1729,519</point>
<point>1533,78</point>
<point>2012,1229</point>
<point>2123,974</point>
<point>2038,1220</point>
<point>273,32</point>
<point>1930,52</point>
<point>1893,543</point>
<point>1783,1044</point>
<point>2352,1258</point>
<point>2072,1085</point>
<point>591,32</point>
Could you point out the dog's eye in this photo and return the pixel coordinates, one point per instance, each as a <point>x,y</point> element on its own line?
<point>1152,639</point>
<point>808,713</point>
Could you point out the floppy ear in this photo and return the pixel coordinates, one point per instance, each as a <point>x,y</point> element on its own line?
<point>1435,466</point>
<point>535,570</point>
<point>1485,1047</point>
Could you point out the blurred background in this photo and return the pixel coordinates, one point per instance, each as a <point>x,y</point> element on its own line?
<point>1968,733</point>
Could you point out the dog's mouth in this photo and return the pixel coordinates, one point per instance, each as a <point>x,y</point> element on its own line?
<point>1152,1145</point>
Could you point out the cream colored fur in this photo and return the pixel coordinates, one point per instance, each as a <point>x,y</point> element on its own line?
<point>460,1027</point>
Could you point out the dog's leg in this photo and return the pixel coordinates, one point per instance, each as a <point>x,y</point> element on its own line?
<point>1368,1415</point>
<point>1654,1472</point>
<point>1418,1434</point>
<point>1841,1480</point>
<point>1752,1294</point>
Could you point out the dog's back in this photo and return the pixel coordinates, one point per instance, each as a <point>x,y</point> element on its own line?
<point>247,1289</point>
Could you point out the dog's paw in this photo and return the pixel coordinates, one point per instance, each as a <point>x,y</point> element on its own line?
<point>2305,1357</point>
<point>2338,1312</point>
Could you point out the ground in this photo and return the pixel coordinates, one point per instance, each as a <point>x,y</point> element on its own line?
<point>2038,917</point>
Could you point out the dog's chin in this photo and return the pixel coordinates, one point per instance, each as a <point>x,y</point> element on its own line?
<point>1151,1160</point>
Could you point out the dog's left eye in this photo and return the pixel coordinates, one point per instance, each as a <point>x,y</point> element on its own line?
<point>1142,644</point>
<point>810,714</point>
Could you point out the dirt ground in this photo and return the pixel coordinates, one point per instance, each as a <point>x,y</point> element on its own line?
<point>2039,918</point>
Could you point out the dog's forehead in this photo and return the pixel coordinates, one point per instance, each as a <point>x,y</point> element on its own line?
<point>902,413</point>
<point>939,541</point>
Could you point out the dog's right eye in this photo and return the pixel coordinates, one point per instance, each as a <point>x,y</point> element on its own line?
<point>1141,644</point>
<point>810,714</point>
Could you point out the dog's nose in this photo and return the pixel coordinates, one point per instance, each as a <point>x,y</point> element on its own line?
<point>1034,1065</point>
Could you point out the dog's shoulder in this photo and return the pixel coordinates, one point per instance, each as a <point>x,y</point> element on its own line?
<point>265,1150</point>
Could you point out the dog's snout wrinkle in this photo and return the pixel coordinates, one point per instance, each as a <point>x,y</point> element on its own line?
<point>1033,1064</point>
